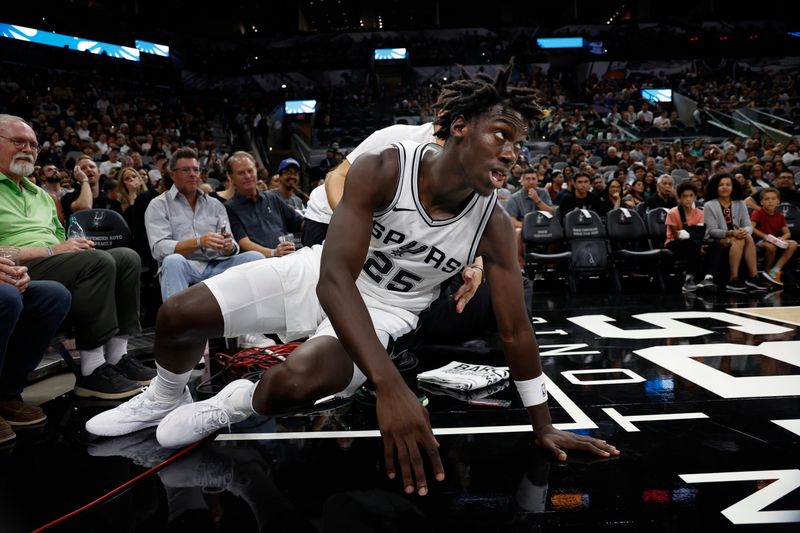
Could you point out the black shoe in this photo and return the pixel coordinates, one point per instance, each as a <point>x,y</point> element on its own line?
<point>132,369</point>
<point>757,283</point>
<point>106,382</point>
<point>707,284</point>
<point>405,360</point>
<point>736,286</point>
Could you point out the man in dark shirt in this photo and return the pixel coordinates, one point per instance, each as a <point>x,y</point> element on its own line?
<point>666,194</point>
<point>581,197</point>
<point>88,194</point>
<point>257,218</point>
<point>611,157</point>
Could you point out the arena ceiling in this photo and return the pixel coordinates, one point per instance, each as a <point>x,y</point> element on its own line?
<point>236,19</point>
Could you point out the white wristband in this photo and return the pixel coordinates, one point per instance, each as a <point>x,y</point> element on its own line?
<point>532,391</point>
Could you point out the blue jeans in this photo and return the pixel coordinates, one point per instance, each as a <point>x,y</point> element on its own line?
<point>177,274</point>
<point>28,322</point>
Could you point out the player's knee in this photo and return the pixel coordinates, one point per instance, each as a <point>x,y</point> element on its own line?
<point>292,384</point>
<point>173,317</point>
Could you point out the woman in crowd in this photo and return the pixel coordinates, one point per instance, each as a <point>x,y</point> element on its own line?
<point>130,186</point>
<point>728,227</point>
<point>635,195</point>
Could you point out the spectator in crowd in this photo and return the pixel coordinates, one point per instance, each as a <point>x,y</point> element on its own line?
<point>728,225</point>
<point>104,284</point>
<point>528,199</point>
<point>611,158</point>
<point>329,162</point>
<point>130,186</point>
<point>189,231</point>
<point>790,156</point>
<point>666,194</point>
<point>745,184</point>
<point>288,185</point>
<point>111,163</point>
<point>155,173</point>
<point>650,185</point>
<point>258,219</point>
<point>555,186</point>
<point>52,182</point>
<point>611,196</point>
<point>685,234</point>
<point>555,153</point>
<point>598,185</point>
<point>30,314</point>
<point>581,197</point>
<point>89,195</point>
<point>635,194</point>
<point>773,235</point>
<point>644,118</point>
<point>515,175</point>
<point>662,121</point>
<point>757,177</point>
<point>697,181</point>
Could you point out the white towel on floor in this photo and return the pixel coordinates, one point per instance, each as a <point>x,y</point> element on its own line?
<point>464,376</point>
<point>467,395</point>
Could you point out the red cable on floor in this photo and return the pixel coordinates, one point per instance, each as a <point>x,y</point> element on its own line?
<point>125,486</point>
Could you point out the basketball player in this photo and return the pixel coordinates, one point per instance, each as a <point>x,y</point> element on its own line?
<point>410,216</point>
<point>447,320</point>
<point>323,200</point>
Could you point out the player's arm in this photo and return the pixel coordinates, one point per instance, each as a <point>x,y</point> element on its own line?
<point>403,422</point>
<point>334,183</point>
<point>516,332</point>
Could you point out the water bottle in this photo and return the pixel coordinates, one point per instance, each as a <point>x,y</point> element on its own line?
<point>75,231</point>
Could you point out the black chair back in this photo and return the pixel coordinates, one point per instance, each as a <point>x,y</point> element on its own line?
<point>540,227</point>
<point>656,222</point>
<point>586,235</point>
<point>584,224</point>
<point>105,227</point>
<point>625,226</point>
<point>792,215</point>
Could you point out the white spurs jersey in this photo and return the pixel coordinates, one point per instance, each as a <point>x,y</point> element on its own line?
<point>319,210</point>
<point>410,254</point>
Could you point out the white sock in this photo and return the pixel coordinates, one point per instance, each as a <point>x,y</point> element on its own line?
<point>115,348</point>
<point>169,387</point>
<point>91,359</point>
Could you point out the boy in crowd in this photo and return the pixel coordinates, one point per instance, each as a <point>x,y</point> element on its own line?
<point>769,225</point>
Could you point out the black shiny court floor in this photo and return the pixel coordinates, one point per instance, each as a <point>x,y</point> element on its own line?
<point>701,393</point>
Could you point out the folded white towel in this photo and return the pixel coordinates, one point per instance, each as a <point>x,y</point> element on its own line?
<point>463,376</point>
<point>464,396</point>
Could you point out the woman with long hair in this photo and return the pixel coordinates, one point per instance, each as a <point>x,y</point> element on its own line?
<point>130,186</point>
<point>635,195</point>
<point>728,227</point>
<point>555,186</point>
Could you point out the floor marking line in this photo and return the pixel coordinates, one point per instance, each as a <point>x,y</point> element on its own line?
<point>522,428</point>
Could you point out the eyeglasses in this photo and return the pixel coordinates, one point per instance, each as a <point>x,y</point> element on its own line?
<point>188,170</point>
<point>20,144</point>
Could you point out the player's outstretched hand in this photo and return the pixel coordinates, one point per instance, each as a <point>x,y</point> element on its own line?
<point>556,441</point>
<point>406,429</point>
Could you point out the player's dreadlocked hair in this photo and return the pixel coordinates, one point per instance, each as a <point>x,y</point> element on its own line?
<point>475,93</point>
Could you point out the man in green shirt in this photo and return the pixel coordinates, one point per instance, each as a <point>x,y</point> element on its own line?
<point>104,284</point>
